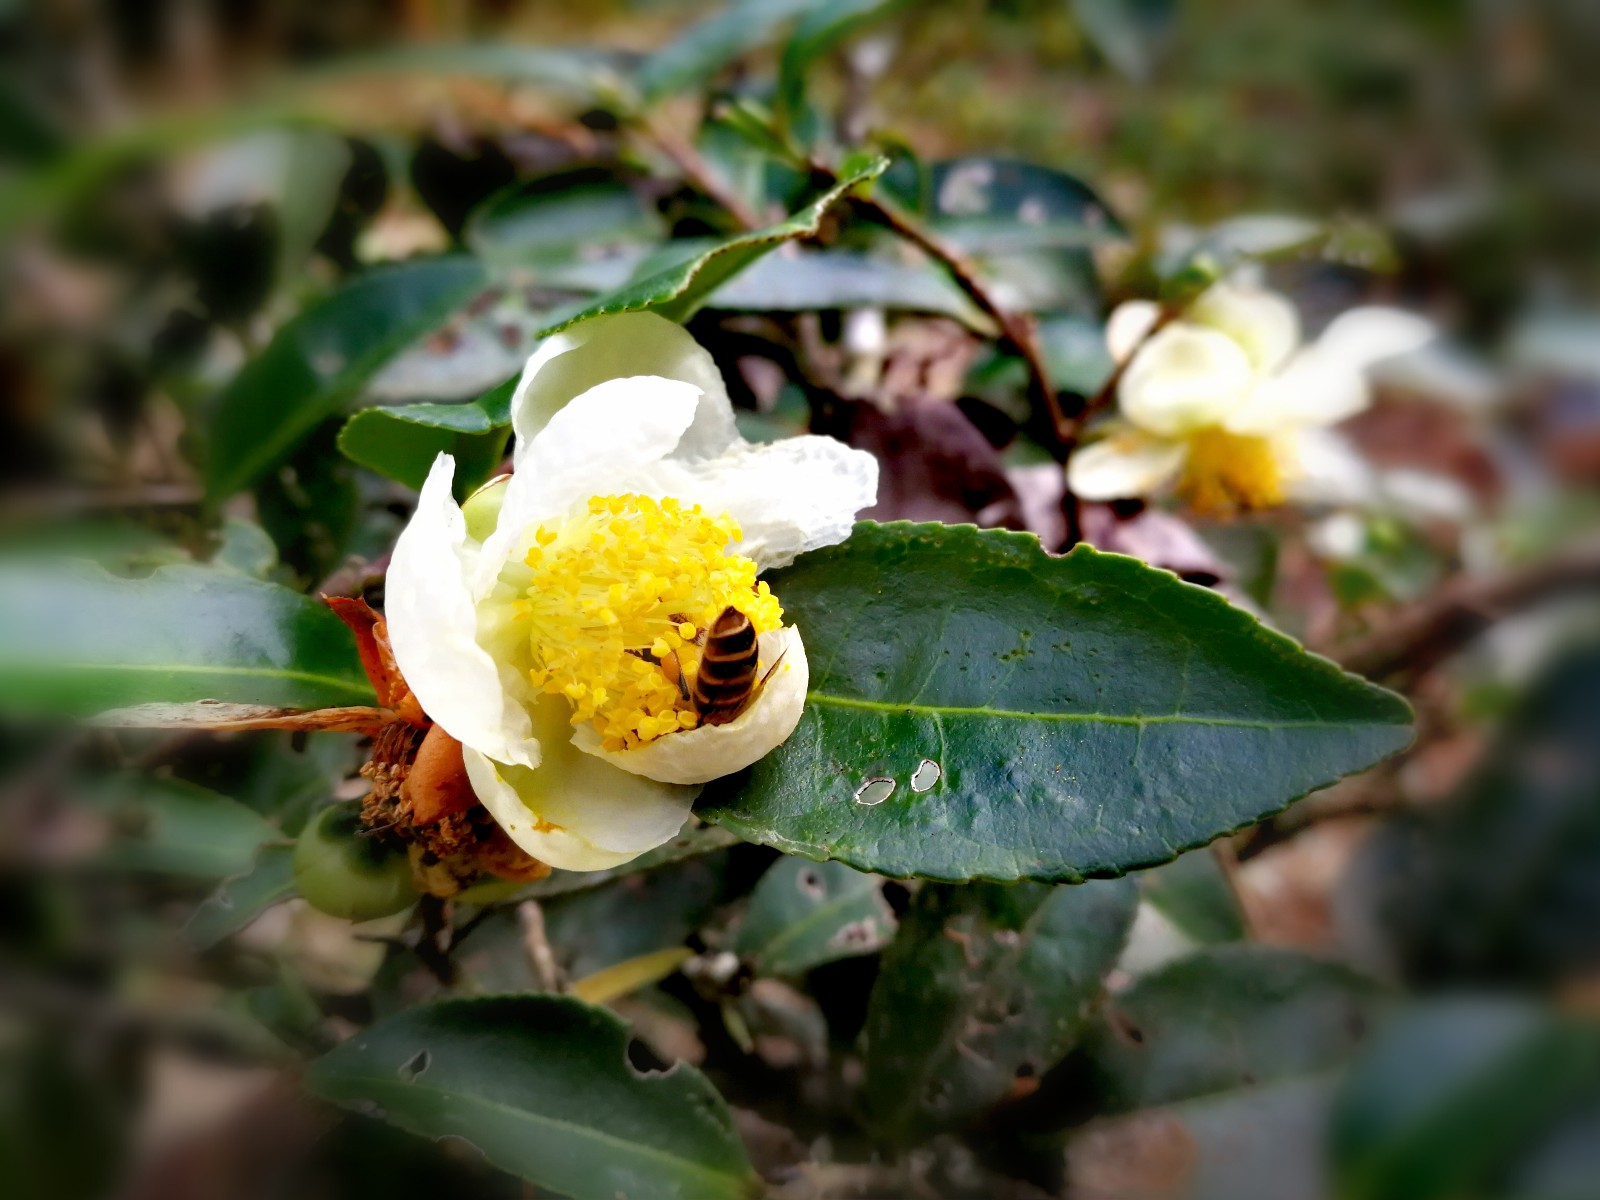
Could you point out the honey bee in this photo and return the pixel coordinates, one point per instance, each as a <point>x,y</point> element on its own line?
<point>726,682</point>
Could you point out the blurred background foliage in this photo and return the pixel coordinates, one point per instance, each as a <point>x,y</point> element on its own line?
<point>263,259</point>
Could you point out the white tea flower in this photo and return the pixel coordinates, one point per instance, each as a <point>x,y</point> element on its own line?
<point>1227,405</point>
<point>554,626</point>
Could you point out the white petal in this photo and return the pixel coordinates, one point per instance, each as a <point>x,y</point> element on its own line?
<point>1124,465</point>
<point>789,496</point>
<point>575,811</point>
<point>1324,468</point>
<point>1314,389</point>
<point>712,751</point>
<point>1364,336</point>
<point>433,628</point>
<point>1128,325</point>
<point>1184,378</point>
<point>591,447</point>
<point>572,362</point>
<point>1264,323</point>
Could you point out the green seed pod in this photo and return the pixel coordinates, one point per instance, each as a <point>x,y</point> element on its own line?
<point>345,874</point>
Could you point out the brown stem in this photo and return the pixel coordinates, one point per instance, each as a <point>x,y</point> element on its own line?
<point>1017,329</point>
<point>1415,641</point>
<point>700,174</point>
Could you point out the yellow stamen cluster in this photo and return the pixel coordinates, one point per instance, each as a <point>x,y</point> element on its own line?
<point>619,593</point>
<point>1230,472</point>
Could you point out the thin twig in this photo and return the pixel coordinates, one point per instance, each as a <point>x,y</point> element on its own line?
<point>1415,641</point>
<point>431,948</point>
<point>700,174</point>
<point>1017,329</point>
<point>545,969</point>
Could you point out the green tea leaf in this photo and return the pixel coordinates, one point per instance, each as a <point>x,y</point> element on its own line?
<point>982,986</point>
<point>175,828</point>
<point>239,901</point>
<point>75,641</point>
<point>679,290</point>
<point>401,442</point>
<point>1193,894</point>
<point>1451,1095</point>
<point>1225,1018</point>
<point>557,218</point>
<point>980,709</point>
<point>803,914</point>
<point>542,1086</point>
<point>709,45</point>
<point>320,360</point>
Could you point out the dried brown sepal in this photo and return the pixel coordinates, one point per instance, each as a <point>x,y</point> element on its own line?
<point>377,657</point>
<point>420,795</point>
<point>223,716</point>
<point>437,785</point>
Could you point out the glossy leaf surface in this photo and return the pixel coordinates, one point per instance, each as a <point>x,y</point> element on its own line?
<point>542,1086</point>
<point>983,986</point>
<point>76,641</point>
<point>1080,716</point>
<point>319,361</point>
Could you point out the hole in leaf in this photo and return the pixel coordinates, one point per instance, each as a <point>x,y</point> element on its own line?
<point>415,1065</point>
<point>643,1060</point>
<point>875,791</point>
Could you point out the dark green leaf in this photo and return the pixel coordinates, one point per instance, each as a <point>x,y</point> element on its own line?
<point>1225,1018</point>
<point>321,359</point>
<point>239,901</point>
<point>175,828</point>
<point>706,47</point>
<point>560,217</point>
<point>1498,886</point>
<point>822,279</point>
<point>679,290</point>
<point>1078,716</point>
<point>1451,1095</point>
<point>541,1085</point>
<point>582,74</point>
<point>803,914</point>
<point>75,641</point>
<point>1193,894</point>
<point>995,205</point>
<point>825,26</point>
<point>402,442</point>
<point>982,986</point>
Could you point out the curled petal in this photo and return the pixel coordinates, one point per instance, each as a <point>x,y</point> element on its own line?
<point>1127,464</point>
<point>1264,324</point>
<point>789,496</point>
<point>433,629</point>
<point>1128,326</point>
<point>712,751</point>
<point>577,812</point>
<point>1364,336</point>
<point>1184,378</point>
<point>571,362</point>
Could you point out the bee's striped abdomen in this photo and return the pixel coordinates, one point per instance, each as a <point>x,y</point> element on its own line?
<point>727,675</point>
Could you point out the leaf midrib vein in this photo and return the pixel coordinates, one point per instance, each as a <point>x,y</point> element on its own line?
<point>331,681</point>
<point>955,710</point>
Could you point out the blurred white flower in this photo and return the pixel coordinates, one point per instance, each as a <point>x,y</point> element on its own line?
<point>1226,404</point>
<point>542,625</point>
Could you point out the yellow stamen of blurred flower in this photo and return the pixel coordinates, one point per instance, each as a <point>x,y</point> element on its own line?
<point>630,576</point>
<point>1230,472</point>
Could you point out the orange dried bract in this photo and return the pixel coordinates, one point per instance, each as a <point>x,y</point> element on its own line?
<point>437,785</point>
<point>377,658</point>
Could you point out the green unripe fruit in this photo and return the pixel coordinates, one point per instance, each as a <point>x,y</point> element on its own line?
<point>345,874</point>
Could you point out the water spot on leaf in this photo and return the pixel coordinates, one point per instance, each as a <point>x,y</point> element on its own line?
<point>875,790</point>
<point>926,775</point>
